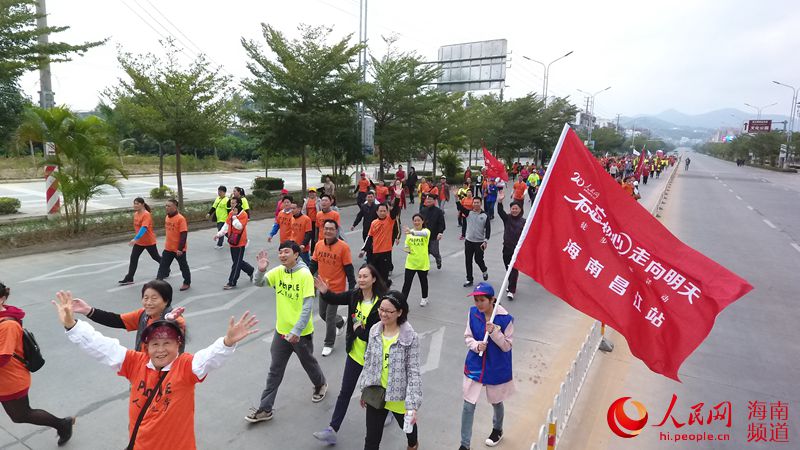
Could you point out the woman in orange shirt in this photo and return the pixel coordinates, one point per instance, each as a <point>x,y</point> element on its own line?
<point>144,239</point>
<point>235,228</point>
<point>156,305</point>
<point>161,403</point>
<point>15,379</point>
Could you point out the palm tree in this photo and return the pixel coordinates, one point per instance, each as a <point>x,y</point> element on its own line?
<point>84,156</point>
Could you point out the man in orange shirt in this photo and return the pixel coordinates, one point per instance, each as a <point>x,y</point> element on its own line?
<point>362,188</point>
<point>326,213</point>
<point>283,221</point>
<point>379,239</point>
<point>381,192</point>
<point>301,232</point>
<point>333,264</point>
<point>236,229</point>
<point>177,232</point>
<point>444,192</point>
<point>519,190</point>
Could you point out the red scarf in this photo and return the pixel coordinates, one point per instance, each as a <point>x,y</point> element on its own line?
<point>12,312</point>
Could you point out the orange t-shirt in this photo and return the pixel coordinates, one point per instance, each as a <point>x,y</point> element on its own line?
<point>174,226</point>
<point>169,421</point>
<point>144,219</point>
<point>434,191</point>
<point>243,218</point>
<point>322,216</point>
<point>299,227</point>
<point>442,192</point>
<point>381,193</point>
<point>519,190</point>
<point>363,185</point>
<point>331,260</point>
<point>311,209</point>
<point>14,376</point>
<point>131,321</point>
<point>467,202</point>
<point>381,232</point>
<point>628,188</point>
<point>284,220</point>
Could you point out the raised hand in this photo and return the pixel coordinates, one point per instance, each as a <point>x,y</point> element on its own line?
<point>406,230</point>
<point>241,329</point>
<point>263,261</point>
<point>63,304</point>
<point>501,195</point>
<point>320,284</point>
<point>80,306</point>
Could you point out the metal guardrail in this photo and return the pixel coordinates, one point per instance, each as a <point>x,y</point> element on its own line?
<point>563,402</point>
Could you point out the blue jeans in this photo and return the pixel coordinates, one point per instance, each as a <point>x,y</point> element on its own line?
<point>352,370</point>
<point>468,416</point>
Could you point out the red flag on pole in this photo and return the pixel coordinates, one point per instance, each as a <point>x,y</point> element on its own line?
<point>596,248</point>
<point>638,171</point>
<point>494,167</point>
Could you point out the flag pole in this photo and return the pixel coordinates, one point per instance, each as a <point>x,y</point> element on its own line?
<point>534,208</point>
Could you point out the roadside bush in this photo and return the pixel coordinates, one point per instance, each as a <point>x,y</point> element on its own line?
<point>338,180</point>
<point>261,194</point>
<point>267,183</point>
<point>9,205</point>
<point>161,193</point>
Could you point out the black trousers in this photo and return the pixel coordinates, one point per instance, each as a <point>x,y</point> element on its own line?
<point>473,250</point>
<point>166,261</point>
<point>238,265</point>
<point>383,263</point>
<point>136,252</point>
<point>508,252</point>
<point>375,419</point>
<point>409,280</point>
<point>352,370</point>
<point>19,411</point>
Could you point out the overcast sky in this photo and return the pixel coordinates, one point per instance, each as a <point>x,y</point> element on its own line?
<point>691,55</point>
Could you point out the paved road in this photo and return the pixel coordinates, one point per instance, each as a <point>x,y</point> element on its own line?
<point>548,333</point>
<point>195,187</point>
<point>746,219</point>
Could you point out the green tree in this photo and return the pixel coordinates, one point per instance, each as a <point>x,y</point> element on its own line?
<point>302,96</point>
<point>189,106</point>
<point>84,156</point>
<point>12,104</point>
<point>399,98</point>
<point>607,140</point>
<point>443,123</point>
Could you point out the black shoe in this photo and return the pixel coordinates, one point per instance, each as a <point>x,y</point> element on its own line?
<point>439,264</point>
<point>65,433</point>
<point>467,284</point>
<point>462,448</point>
<point>485,276</point>
<point>125,282</point>
<point>494,438</point>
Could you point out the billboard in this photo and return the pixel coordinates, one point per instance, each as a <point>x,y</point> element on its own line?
<point>473,66</point>
<point>759,126</point>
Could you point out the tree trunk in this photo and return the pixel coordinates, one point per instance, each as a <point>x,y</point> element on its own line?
<point>435,144</point>
<point>178,175</point>
<point>160,165</point>
<point>303,167</point>
<point>266,163</point>
<point>380,161</point>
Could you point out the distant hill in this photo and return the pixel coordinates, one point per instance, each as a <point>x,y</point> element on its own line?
<point>671,118</point>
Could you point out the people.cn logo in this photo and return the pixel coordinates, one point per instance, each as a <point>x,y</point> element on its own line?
<point>621,424</point>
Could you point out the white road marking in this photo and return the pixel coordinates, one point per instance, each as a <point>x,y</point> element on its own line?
<point>435,352</point>
<point>730,190</point>
<point>457,254</point>
<point>108,265</point>
<point>141,283</point>
<point>796,247</point>
<point>724,184</point>
<point>352,232</point>
<point>750,207</point>
<point>738,198</point>
<point>223,307</point>
<point>771,225</point>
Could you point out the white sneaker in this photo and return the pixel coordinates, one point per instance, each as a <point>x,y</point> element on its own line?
<point>423,302</point>
<point>327,351</point>
<point>510,295</point>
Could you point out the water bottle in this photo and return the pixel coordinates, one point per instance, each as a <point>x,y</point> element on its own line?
<point>408,427</point>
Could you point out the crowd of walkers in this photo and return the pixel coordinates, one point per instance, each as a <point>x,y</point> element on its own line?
<point>315,268</point>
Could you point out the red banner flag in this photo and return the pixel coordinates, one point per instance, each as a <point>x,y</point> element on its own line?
<point>596,248</point>
<point>494,167</point>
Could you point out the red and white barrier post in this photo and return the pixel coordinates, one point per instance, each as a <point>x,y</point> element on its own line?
<point>52,194</point>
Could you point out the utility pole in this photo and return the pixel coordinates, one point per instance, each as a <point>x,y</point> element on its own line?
<point>617,128</point>
<point>791,123</point>
<point>46,95</point>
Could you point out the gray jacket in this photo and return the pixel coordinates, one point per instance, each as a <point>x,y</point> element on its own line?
<point>405,381</point>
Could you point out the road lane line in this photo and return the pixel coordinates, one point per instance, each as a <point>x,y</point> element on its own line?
<point>796,247</point>
<point>730,190</point>
<point>750,207</point>
<point>109,265</point>
<point>738,198</point>
<point>141,283</point>
<point>771,225</point>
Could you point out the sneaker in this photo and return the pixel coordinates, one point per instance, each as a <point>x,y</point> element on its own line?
<point>485,276</point>
<point>258,415</point>
<point>340,329</point>
<point>467,284</point>
<point>439,264</point>
<point>65,433</point>
<point>510,295</point>
<point>319,393</point>
<point>328,436</point>
<point>124,282</point>
<point>217,247</point>
<point>184,287</point>
<point>423,302</point>
<point>463,448</point>
<point>228,287</point>
<point>494,438</point>
<point>327,351</point>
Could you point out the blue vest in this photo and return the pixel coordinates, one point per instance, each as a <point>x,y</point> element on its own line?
<point>494,367</point>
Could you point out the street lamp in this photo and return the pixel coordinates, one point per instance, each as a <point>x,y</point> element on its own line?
<point>545,83</point>
<point>760,108</point>
<point>591,109</point>
<point>791,121</point>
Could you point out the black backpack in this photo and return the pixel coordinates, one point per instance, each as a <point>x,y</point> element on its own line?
<point>33,359</point>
